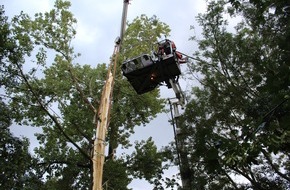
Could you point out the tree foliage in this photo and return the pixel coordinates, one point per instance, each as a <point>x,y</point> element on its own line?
<point>18,166</point>
<point>237,121</point>
<point>146,160</point>
<point>145,30</point>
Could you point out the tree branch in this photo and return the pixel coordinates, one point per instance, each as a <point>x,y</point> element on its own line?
<point>75,125</point>
<point>85,99</point>
<point>53,118</point>
<point>268,158</point>
<point>73,77</point>
<point>253,182</point>
<point>231,180</point>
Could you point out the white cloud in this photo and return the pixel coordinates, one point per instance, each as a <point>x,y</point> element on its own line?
<point>13,7</point>
<point>86,34</point>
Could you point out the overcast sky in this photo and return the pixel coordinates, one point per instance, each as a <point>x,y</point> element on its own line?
<point>99,24</point>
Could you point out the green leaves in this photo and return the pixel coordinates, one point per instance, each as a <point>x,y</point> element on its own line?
<point>241,81</point>
<point>145,30</point>
<point>55,29</point>
<point>146,162</point>
<point>16,163</point>
<point>115,175</point>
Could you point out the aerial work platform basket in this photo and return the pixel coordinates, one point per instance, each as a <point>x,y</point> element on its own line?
<point>145,74</point>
